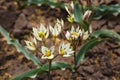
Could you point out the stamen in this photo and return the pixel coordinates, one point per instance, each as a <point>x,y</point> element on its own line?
<point>41,34</point>
<point>62,51</point>
<point>75,34</point>
<point>47,53</point>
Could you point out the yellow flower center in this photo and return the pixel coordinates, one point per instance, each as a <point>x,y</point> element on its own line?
<point>47,53</point>
<point>69,39</point>
<point>75,34</point>
<point>54,36</point>
<point>41,34</point>
<point>62,51</point>
<point>70,18</point>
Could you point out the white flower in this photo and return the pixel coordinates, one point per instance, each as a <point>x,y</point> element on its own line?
<point>60,23</point>
<point>55,31</point>
<point>69,8</point>
<point>85,35</point>
<point>47,53</point>
<point>65,50</point>
<point>70,18</point>
<point>87,15</point>
<point>73,34</point>
<point>31,44</point>
<point>40,32</point>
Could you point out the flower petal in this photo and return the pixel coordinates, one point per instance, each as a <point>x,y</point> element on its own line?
<point>50,57</point>
<point>47,33</point>
<point>44,49</point>
<point>72,29</point>
<point>66,55</point>
<point>52,49</point>
<point>67,35</point>
<point>30,45</point>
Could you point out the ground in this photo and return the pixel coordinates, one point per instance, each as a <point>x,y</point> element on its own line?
<point>101,62</point>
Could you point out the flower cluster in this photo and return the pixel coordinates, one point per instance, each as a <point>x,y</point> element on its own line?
<point>41,33</point>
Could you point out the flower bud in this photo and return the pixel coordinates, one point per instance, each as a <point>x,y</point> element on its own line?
<point>86,15</point>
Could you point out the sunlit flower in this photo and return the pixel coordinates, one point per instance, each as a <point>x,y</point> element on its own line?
<point>86,35</point>
<point>31,44</point>
<point>70,18</point>
<point>47,53</point>
<point>40,32</point>
<point>55,31</point>
<point>65,50</point>
<point>60,23</point>
<point>73,34</point>
<point>69,8</point>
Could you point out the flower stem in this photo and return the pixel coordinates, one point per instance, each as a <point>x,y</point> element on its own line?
<point>75,66</point>
<point>74,48</point>
<point>49,72</point>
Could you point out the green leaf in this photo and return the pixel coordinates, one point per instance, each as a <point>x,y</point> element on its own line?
<point>78,13</point>
<point>105,10</point>
<point>32,73</point>
<point>43,69</point>
<point>46,2</point>
<point>89,44</point>
<point>19,47</point>
<point>86,26</point>
<point>106,33</point>
<point>58,65</point>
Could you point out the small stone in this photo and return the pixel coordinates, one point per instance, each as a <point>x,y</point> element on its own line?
<point>89,69</point>
<point>111,24</point>
<point>117,51</point>
<point>117,28</point>
<point>98,25</point>
<point>21,22</point>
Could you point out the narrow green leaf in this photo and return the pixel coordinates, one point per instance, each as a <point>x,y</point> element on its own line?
<point>58,65</point>
<point>89,44</point>
<point>105,10</point>
<point>77,13</point>
<point>106,33</point>
<point>31,73</point>
<point>43,69</point>
<point>19,47</point>
<point>46,2</point>
<point>86,26</point>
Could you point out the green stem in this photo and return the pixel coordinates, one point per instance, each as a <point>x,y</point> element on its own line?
<point>49,72</point>
<point>44,43</point>
<point>54,40</point>
<point>75,66</point>
<point>74,48</point>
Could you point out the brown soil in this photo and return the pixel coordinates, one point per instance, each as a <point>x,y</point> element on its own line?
<point>101,62</point>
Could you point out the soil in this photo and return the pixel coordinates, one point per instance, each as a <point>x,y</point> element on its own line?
<point>102,62</point>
